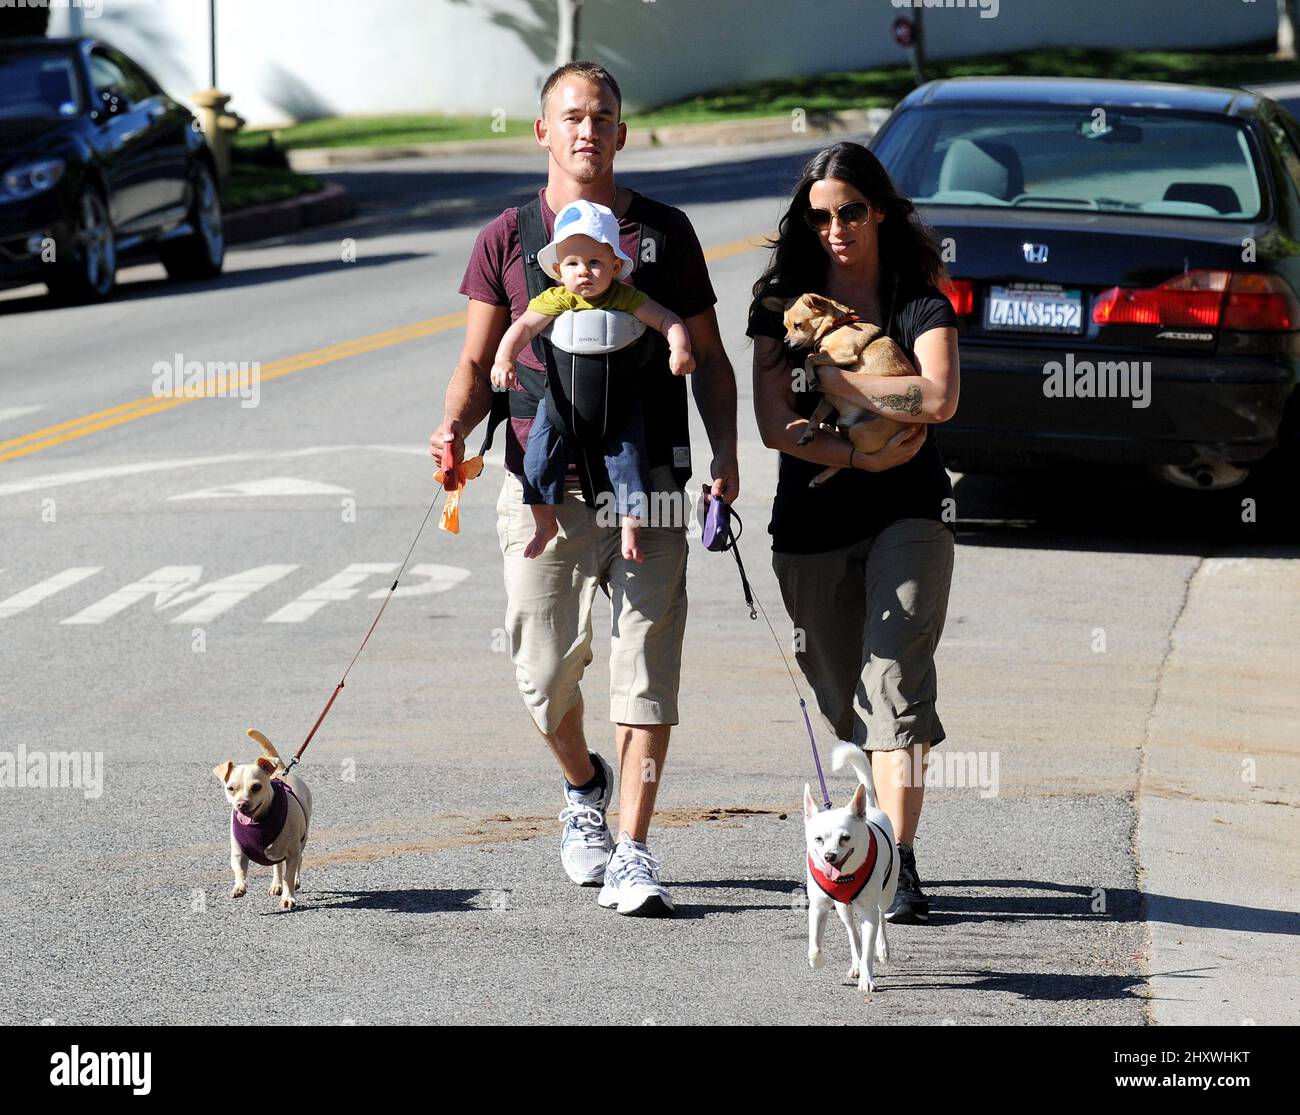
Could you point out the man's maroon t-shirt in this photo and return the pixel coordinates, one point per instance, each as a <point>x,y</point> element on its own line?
<point>495,275</point>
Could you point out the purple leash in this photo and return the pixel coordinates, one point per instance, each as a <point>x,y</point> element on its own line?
<point>717,536</point>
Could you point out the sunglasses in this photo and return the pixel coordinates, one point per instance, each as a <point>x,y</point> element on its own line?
<point>852,213</point>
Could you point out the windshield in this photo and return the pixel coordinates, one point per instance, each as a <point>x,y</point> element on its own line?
<point>1073,158</point>
<point>38,84</point>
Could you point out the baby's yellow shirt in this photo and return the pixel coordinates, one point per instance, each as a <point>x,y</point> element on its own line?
<point>555,300</point>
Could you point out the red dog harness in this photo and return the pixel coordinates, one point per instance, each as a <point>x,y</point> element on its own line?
<point>841,887</point>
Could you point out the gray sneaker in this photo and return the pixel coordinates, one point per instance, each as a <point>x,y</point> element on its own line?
<point>585,842</point>
<point>632,883</point>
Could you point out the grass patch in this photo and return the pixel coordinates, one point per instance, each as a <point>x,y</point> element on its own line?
<point>379,131</point>
<point>258,185</point>
<point>883,88</point>
<point>820,93</point>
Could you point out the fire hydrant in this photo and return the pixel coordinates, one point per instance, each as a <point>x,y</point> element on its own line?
<point>219,126</point>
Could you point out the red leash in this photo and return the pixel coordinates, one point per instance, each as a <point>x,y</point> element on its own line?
<point>449,472</point>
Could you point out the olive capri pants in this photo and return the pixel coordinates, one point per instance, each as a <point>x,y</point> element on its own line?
<point>867,620</point>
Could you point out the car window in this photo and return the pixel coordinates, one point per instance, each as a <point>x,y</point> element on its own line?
<point>37,84</point>
<point>1042,156</point>
<point>107,77</point>
<point>139,85</point>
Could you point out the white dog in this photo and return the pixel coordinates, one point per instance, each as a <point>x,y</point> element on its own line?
<point>271,812</point>
<point>852,865</point>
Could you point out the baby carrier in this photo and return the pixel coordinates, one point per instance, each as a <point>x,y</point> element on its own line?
<point>593,367</point>
<point>597,364</point>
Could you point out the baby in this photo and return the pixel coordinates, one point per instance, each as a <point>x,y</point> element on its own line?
<point>587,260</point>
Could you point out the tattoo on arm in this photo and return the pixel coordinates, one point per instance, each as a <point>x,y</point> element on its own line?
<point>909,402</point>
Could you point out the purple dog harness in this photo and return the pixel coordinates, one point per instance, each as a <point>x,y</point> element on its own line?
<point>255,837</point>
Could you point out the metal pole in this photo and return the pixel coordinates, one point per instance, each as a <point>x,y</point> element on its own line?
<point>212,43</point>
<point>918,50</point>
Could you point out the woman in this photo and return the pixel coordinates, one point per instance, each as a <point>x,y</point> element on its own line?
<point>865,560</point>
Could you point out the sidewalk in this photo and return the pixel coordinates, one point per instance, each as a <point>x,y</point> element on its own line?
<point>756,130</point>
<point>1218,819</point>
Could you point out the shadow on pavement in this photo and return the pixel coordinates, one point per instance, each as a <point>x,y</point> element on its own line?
<point>1060,901</point>
<point>1046,986</point>
<point>785,889</point>
<point>411,901</point>
<point>1072,902</point>
<point>1116,513</point>
<point>129,291</point>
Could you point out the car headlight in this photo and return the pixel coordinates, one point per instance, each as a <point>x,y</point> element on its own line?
<point>30,179</point>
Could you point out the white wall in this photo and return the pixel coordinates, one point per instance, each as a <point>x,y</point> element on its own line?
<point>285,59</point>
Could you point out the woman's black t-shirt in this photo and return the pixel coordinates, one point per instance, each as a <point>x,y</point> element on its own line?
<point>855,504</point>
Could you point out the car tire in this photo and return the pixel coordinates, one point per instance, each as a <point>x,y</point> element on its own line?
<point>202,253</point>
<point>87,271</point>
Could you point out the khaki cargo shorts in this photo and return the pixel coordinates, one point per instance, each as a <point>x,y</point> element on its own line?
<point>867,620</point>
<point>549,611</point>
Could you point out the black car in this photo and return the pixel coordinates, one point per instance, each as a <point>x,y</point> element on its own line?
<point>1124,259</point>
<point>98,164</point>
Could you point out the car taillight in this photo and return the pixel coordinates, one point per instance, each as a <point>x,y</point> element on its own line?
<point>1195,298</point>
<point>1248,301</point>
<point>1260,303</point>
<point>961,293</point>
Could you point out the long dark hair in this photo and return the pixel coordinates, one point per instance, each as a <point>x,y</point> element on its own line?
<point>908,248</point>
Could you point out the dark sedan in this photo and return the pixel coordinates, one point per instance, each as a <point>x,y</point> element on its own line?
<point>1125,259</point>
<point>98,164</point>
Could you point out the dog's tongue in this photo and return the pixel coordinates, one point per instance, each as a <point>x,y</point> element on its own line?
<point>832,873</point>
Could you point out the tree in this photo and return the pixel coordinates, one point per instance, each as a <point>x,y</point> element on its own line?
<point>566,40</point>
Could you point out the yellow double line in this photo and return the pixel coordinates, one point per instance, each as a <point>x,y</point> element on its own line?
<point>117,415</point>
<point>128,412</point>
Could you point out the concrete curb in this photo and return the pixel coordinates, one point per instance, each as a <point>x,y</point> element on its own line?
<point>765,129</point>
<point>257,222</point>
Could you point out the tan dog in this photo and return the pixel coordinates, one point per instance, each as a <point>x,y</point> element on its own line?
<point>855,346</point>
<point>271,812</point>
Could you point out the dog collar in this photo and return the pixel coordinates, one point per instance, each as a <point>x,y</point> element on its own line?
<point>845,888</point>
<point>255,837</point>
<point>843,319</point>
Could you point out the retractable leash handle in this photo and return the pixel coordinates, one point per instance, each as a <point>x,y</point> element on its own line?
<point>449,465</point>
<point>715,532</point>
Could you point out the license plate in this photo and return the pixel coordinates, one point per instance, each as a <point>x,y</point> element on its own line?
<point>1034,311</point>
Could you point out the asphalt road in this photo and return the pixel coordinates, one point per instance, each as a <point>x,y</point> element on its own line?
<point>170,575</point>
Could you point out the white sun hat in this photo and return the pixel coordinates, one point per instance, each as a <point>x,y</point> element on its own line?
<point>584,218</point>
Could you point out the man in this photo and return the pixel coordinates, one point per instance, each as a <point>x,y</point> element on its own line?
<point>550,597</point>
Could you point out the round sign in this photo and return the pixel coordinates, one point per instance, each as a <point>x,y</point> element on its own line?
<point>904,31</point>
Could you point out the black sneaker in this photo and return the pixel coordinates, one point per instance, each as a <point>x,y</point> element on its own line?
<point>910,907</point>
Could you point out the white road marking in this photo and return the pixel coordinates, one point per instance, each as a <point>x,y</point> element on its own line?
<point>439,578</point>
<point>179,584</point>
<point>341,586</point>
<point>172,586</point>
<point>7,413</point>
<point>110,472</point>
<point>30,597</point>
<point>224,594</point>
<point>162,585</point>
<point>270,486</point>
